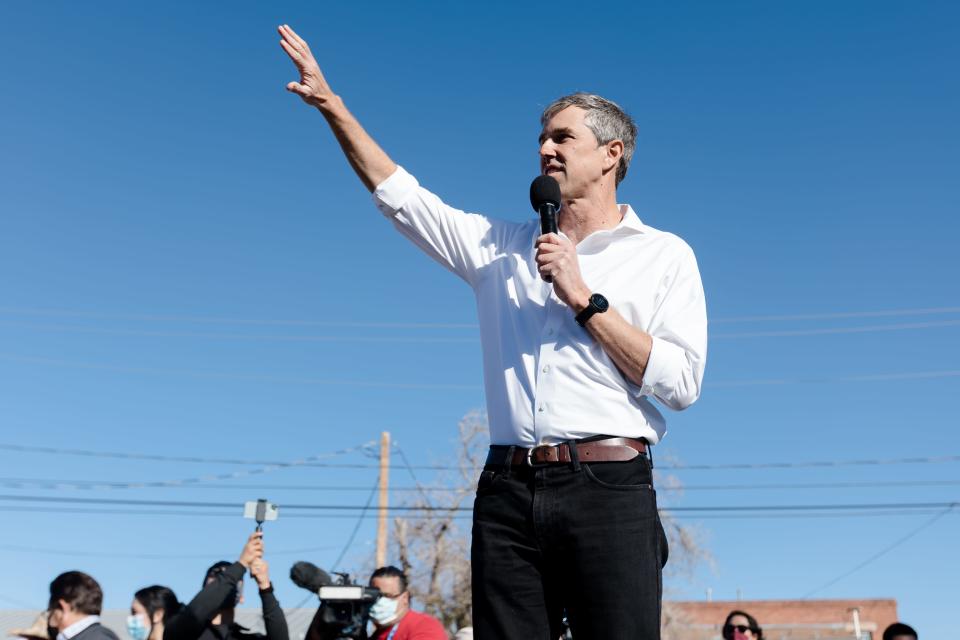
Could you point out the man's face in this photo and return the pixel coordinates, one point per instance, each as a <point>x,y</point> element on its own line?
<point>390,588</point>
<point>570,154</point>
<point>61,615</point>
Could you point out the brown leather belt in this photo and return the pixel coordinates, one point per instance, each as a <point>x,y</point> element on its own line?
<point>606,450</point>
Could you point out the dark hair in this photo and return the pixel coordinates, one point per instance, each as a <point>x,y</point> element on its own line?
<point>391,572</point>
<point>754,625</point>
<point>158,598</point>
<point>898,629</point>
<point>79,590</point>
<point>215,570</point>
<point>214,573</point>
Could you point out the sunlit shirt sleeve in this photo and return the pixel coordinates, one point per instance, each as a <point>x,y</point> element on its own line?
<point>678,327</point>
<point>450,236</point>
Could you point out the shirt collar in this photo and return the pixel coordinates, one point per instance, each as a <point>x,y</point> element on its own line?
<point>630,222</point>
<point>629,225</point>
<point>78,627</point>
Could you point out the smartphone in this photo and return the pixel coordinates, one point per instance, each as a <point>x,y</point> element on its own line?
<point>261,511</point>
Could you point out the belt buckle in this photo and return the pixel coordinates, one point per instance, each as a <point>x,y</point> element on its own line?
<point>535,465</point>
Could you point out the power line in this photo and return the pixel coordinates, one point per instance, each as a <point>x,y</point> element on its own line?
<point>307,462</point>
<point>872,377</point>
<point>404,508</point>
<point>882,552</point>
<point>232,320</point>
<point>213,375</point>
<point>812,464</point>
<point>90,485</point>
<point>366,447</point>
<point>180,482</point>
<point>98,315</point>
<point>253,337</point>
<point>835,514</point>
<point>347,382</point>
<point>835,330</point>
<point>409,467</point>
<point>356,528</point>
<point>245,337</point>
<point>148,556</point>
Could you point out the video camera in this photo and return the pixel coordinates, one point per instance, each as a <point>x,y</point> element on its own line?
<point>344,607</point>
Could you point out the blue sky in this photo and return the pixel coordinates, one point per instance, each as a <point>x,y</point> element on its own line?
<point>189,267</point>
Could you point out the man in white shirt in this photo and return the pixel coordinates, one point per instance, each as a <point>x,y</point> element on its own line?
<point>581,331</point>
<point>76,600</point>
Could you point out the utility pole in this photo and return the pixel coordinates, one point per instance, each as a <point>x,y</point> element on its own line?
<point>384,485</point>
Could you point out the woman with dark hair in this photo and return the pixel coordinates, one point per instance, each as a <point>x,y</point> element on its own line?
<point>740,625</point>
<point>150,607</point>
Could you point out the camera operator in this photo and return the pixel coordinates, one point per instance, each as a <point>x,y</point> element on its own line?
<point>210,615</point>
<point>391,615</point>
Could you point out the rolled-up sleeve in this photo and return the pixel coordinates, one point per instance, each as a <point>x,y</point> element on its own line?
<point>459,241</point>
<point>674,372</point>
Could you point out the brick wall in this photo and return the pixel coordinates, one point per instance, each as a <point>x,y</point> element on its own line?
<point>783,619</point>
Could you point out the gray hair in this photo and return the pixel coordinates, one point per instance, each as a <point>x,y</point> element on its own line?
<point>605,119</point>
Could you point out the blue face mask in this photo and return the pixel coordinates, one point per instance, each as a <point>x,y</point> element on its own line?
<point>137,627</point>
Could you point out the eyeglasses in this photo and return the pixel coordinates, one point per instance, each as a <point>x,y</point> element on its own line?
<point>742,628</point>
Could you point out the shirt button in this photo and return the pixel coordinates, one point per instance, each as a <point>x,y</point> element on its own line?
<point>541,409</point>
<point>546,368</point>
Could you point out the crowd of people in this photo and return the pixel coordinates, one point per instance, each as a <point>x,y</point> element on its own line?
<point>76,602</point>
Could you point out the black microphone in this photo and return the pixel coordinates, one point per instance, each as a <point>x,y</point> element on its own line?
<point>309,576</point>
<point>545,198</point>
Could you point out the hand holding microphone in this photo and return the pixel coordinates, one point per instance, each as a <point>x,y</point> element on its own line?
<point>556,256</point>
<point>546,200</point>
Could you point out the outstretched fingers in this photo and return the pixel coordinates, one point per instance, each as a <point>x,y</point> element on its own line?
<point>295,55</point>
<point>296,38</point>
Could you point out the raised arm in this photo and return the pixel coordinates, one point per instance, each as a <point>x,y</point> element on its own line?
<point>371,164</point>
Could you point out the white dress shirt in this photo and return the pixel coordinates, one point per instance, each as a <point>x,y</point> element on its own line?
<point>546,378</point>
<point>77,627</point>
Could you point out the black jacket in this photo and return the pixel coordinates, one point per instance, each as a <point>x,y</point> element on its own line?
<point>96,632</point>
<point>192,622</point>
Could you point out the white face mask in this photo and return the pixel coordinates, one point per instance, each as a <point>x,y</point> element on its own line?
<point>384,611</point>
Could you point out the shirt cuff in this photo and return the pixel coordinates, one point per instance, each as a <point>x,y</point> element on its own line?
<point>391,194</point>
<point>664,366</point>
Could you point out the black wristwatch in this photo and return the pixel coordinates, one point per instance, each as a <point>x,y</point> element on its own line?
<point>598,304</point>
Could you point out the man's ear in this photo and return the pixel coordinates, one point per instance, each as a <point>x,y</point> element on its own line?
<point>614,154</point>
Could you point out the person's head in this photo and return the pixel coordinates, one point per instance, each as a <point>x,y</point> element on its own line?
<point>899,631</point>
<point>394,602</point>
<point>73,596</point>
<point>150,608</point>
<point>740,625</point>
<point>235,597</point>
<point>586,143</point>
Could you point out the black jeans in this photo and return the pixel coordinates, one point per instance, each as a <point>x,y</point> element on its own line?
<point>584,539</point>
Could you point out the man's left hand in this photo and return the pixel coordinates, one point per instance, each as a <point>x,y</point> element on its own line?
<point>557,258</point>
<point>260,571</point>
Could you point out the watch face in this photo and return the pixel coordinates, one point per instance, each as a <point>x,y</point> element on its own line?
<point>599,302</point>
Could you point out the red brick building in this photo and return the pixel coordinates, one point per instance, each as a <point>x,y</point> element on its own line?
<point>785,619</point>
